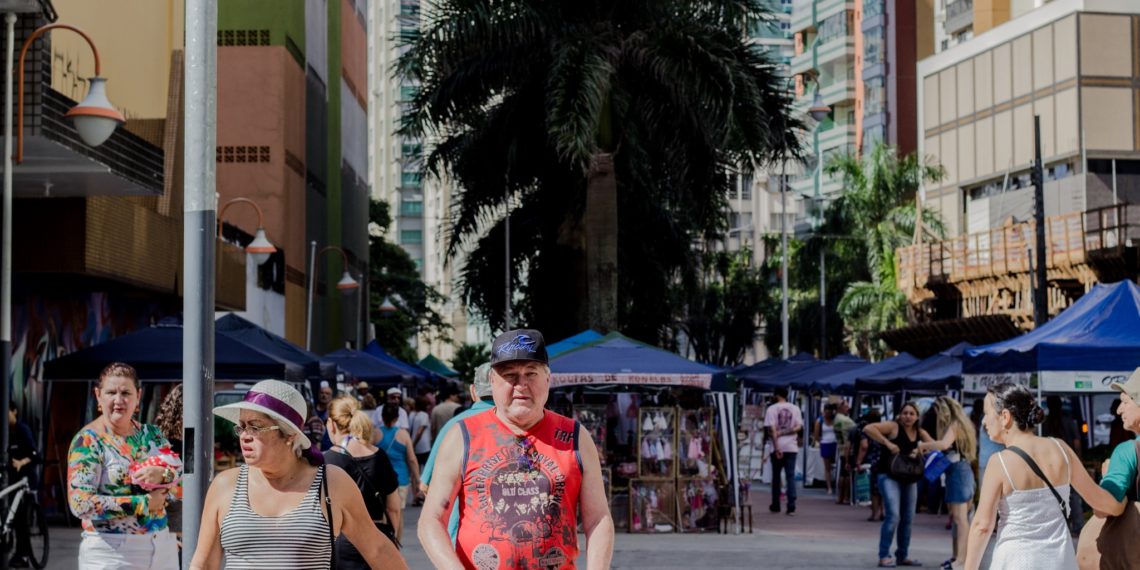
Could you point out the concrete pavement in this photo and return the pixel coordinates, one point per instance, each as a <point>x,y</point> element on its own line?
<point>822,535</point>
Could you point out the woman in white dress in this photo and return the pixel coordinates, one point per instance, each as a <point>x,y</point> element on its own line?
<point>1032,532</point>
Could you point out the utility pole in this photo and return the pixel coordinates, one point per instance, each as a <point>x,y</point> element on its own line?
<point>784,258</point>
<point>200,224</point>
<point>1041,291</point>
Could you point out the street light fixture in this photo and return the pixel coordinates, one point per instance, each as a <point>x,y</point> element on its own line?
<point>260,248</point>
<point>346,284</point>
<point>95,118</point>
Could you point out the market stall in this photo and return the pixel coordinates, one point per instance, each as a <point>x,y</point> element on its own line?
<point>648,412</point>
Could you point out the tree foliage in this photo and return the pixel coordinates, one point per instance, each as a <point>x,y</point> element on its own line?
<point>522,96</point>
<point>722,317</point>
<point>394,276</point>
<point>468,357</point>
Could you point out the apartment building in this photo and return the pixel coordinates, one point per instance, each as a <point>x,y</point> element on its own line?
<point>1075,64</point>
<point>419,204</point>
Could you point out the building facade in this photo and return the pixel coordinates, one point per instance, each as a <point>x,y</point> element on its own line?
<point>896,34</point>
<point>1075,65</point>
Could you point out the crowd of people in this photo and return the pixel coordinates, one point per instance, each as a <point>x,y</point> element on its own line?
<point>325,485</point>
<point>1028,506</point>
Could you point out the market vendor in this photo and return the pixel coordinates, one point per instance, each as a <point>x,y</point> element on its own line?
<point>520,473</point>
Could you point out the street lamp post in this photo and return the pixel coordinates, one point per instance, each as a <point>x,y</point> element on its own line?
<point>95,120</point>
<point>346,284</point>
<point>819,111</point>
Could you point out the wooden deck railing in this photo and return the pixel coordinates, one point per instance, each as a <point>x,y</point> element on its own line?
<point>1069,238</point>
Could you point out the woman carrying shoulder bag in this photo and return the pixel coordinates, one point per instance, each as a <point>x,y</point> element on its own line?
<point>899,470</point>
<point>1113,543</point>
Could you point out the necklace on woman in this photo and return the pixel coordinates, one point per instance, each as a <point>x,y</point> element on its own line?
<point>110,428</point>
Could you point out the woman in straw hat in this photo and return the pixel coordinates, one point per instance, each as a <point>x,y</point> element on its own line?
<point>284,506</point>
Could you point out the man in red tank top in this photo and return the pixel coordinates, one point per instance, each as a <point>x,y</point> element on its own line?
<point>521,474</point>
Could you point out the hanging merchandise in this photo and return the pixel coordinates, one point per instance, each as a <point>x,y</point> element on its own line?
<point>653,506</point>
<point>593,418</point>
<point>698,505</point>
<point>658,440</point>
<point>695,439</point>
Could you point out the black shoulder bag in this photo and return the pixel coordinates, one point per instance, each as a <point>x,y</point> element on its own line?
<point>1033,465</point>
<point>369,491</point>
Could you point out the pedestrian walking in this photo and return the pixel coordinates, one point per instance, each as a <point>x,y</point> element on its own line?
<point>1105,545</point>
<point>23,459</point>
<point>483,400</point>
<point>123,528</point>
<point>370,469</point>
<point>520,473</point>
<point>843,425</point>
<point>898,481</point>
<point>1029,488</point>
<point>825,437</point>
<point>445,410</point>
<point>421,431</point>
<point>956,440</point>
<point>783,421</point>
<point>1066,428</point>
<point>866,461</point>
<point>284,506</point>
<point>396,442</point>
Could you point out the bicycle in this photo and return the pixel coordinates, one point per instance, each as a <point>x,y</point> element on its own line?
<point>31,517</point>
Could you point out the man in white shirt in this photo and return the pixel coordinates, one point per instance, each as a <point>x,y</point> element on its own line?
<point>394,396</point>
<point>783,422</point>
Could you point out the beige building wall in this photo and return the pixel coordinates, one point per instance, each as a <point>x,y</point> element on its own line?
<point>1078,71</point>
<point>134,50</point>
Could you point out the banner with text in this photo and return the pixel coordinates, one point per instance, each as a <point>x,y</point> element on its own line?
<point>703,381</point>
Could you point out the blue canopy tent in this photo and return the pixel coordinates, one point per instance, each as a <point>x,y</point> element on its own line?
<point>1091,344</point>
<point>423,377</point>
<point>156,354</point>
<point>367,368</point>
<point>617,360</point>
<point>772,373</point>
<point>813,378</point>
<point>936,374</point>
<point>585,337</point>
<point>257,337</point>
<point>845,382</point>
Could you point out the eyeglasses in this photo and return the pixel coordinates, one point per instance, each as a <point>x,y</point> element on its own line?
<point>253,430</point>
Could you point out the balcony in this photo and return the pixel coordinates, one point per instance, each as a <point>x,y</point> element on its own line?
<point>959,16</point>
<point>803,15</point>
<point>989,271</point>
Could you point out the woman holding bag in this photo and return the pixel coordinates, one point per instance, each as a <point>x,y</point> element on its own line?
<point>899,469</point>
<point>1028,485</point>
<point>957,442</point>
<point>1112,542</point>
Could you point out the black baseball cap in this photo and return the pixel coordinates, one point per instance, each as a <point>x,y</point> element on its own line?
<point>519,344</point>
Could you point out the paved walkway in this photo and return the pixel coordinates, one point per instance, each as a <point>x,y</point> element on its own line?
<point>822,535</point>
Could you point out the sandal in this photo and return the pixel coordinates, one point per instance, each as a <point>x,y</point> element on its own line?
<point>887,563</point>
<point>949,564</point>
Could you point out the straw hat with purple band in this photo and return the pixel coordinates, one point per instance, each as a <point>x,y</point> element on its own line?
<point>281,402</point>
<point>1131,387</point>
<point>519,344</point>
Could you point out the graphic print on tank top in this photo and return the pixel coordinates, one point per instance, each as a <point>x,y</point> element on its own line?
<point>518,494</point>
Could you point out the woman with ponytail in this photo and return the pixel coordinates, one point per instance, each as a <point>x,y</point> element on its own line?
<point>351,433</point>
<point>1028,485</point>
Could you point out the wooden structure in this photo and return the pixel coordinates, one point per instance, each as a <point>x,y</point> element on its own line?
<point>990,273</point>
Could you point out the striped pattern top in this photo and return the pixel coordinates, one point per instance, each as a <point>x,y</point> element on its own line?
<point>297,540</point>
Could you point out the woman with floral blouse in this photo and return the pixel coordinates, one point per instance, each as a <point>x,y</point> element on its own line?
<point>124,525</point>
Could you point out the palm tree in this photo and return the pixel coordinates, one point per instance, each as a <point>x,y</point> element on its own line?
<point>606,122</point>
<point>878,203</point>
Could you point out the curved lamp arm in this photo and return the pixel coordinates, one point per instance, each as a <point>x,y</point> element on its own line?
<point>222,214</point>
<point>20,77</point>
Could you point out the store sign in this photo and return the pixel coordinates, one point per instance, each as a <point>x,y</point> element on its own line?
<point>1084,381</point>
<point>703,381</point>
<point>981,382</point>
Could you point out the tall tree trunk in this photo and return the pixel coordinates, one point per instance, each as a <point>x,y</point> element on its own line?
<point>601,224</point>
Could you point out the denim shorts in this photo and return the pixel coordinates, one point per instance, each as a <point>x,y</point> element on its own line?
<point>960,483</point>
<point>827,450</point>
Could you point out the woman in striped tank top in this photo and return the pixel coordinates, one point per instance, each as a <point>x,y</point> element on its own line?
<point>274,512</point>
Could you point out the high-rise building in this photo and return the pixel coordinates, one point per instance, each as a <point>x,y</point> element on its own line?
<point>419,204</point>
<point>1074,64</point>
<point>896,34</point>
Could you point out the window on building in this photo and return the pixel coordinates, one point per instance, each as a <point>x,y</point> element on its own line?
<point>412,151</point>
<point>873,44</point>
<point>834,27</point>
<point>411,207</point>
<point>874,96</point>
<point>411,237</point>
<point>409,8</point>
<point>411,179</point>
<point>408,92</point>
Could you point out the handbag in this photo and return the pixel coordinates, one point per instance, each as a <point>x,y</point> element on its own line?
<point>936,464</point>
<point>862,488</point>
<point>368,491</point>
<point>905,468</point>
<point>1110,543</point>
